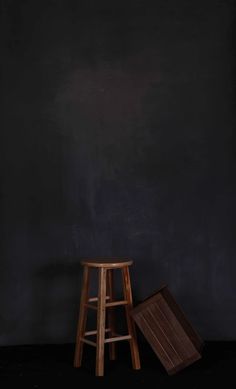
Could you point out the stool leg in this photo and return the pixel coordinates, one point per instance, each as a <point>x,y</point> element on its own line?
<point>82,318</point>
<point>130,323</point>
<point>111,314</point>
<point>101,321</point>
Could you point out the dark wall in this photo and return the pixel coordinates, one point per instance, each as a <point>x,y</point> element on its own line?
<point>117,138</point>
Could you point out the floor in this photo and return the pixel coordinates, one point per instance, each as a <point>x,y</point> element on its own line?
<point>48,366</point>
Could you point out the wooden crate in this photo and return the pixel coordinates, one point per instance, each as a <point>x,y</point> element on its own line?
<point>168,331</point>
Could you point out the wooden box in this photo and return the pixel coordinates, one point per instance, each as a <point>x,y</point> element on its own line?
<point>168,331</point>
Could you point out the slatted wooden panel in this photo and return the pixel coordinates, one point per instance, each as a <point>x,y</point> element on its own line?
<point>168,331</point>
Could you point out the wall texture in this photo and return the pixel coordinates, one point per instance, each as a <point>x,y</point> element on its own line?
<point>117,138</point>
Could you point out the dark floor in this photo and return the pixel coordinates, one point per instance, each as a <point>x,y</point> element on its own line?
<point>52,366</point>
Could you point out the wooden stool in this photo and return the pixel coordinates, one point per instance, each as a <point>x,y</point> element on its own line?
<point>105,300</point>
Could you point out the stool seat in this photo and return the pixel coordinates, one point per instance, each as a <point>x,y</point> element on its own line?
<point>108,263</point>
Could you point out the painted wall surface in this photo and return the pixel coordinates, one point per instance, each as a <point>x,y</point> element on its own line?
<point>117,138</point>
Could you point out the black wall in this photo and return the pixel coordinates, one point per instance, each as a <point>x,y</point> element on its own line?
<point>117,138</point>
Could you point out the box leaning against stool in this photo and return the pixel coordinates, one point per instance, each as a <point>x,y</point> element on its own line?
<point>166,328</point>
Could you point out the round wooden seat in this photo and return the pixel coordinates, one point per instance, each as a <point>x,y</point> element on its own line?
<point>108,263</point>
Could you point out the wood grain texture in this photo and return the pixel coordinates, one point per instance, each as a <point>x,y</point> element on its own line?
<point>111,313</point>
<point>130,323</point>
<point>101,322</point>
<point>117,338</point>
<point>168,331</point>
<point>116,303</point>
<point>110,263</point>
<point>182,318</point>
